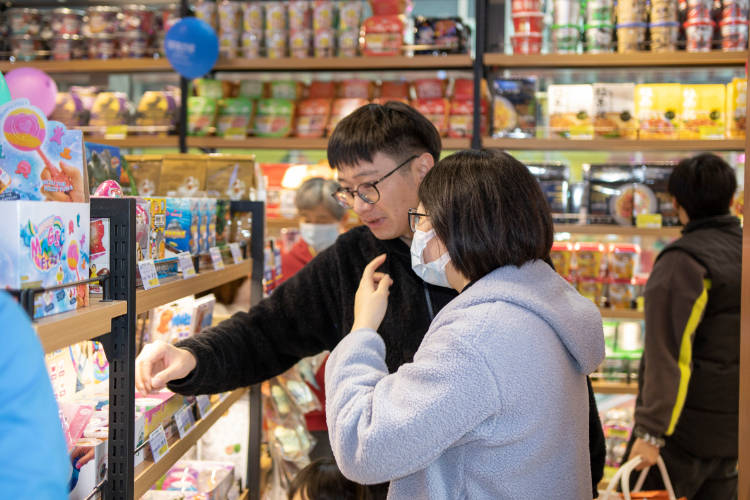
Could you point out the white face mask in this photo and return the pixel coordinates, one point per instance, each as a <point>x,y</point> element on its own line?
<point>431,272</point>
<point>319,236</point>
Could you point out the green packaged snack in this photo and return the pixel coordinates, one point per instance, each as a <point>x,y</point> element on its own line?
<point>201,115</point>
<point>234,117</point>
<point>274,118</point>
<point>252,89</point>
<point>209,88</point>
<point>285,90</point>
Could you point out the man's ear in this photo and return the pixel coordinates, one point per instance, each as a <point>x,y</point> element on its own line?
<point>423,164</point>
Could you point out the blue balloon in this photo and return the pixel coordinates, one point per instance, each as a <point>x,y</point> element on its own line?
<point>192,47</point>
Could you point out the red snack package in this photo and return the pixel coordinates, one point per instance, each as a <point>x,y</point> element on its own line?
<point>384,36</point>
<point>436,110</point>
<point>394,91</point>
<point>322,90</point>
<point>356,89</point>
<point>313,115</point>
<point>429,88</point>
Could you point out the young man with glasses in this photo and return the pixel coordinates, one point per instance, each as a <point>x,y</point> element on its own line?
<point>382,153</point>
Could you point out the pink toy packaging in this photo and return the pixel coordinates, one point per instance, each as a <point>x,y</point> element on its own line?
<point>40,160</point>
<point>44,244</point>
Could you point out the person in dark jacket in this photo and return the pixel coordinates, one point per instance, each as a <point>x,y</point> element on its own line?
<point>382,152</point>
<point>688,396</point>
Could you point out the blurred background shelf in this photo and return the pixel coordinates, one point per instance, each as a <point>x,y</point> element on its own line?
<point>602,229</point>
<point>614,144</point>
<point>288,143</point>
<point>92,65</point>
<point>621,313</point>
<point>606,387</point>
<point>60,330</point>
<point>347,63</point>
<point>611,60</point>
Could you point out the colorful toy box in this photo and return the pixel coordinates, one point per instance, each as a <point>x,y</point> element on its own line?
<point>99,248</point>
<point>154,409</point>
<point>181,226</point>
<point>172,322</point>
<point>39,160</point>
<point>211,223</point>
<point>157,211</point>
<point>45,244</point>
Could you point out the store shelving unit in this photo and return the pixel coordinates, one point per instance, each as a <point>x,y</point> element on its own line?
<point>606,387</point>
<point>603,229</point>
<point>615,60</point>
<point>347,63</point>
<point>630,314</point>
<point>644,145</point>
<point>60,330</point>
<point>141,65</point>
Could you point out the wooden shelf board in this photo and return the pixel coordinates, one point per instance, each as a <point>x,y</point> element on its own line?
<point>92,65</point>
<point>605,387</point>
<point>614,145</point>
<point>176,288</point>
<point>245,495</point>
<point>148,472</point>
<point>611,60</point>
<point>60,330</point>
<point>621,313</point>
<point>137,141</point>
<point>346,63</point>
<point>289,143</point>
<point>603,229</point>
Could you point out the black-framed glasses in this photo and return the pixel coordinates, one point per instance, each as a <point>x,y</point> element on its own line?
<point>415,218</point>
<point>367,191</point>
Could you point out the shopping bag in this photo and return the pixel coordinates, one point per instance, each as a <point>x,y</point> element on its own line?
<point>623,476</point>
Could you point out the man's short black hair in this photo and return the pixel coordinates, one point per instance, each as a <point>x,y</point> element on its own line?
<point>393,128</point>
<point>703,185</point>
<point>489,211</point>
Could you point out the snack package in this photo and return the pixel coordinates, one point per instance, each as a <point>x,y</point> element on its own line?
<point>736,108</point>
<point>157,208</point>
<point>40,159</point>
<point>234,117</point>
<point>656,177</point>
<point>341,108</point>
<point>157,109</point>
<point>461,119</point>
<point>299,391</point>
<point>554,181</point>
<point>171,322</point>
<point>436,110</point>
<point>179,226</point>
<point>571,110</point>
<point>201,115</point>
<point>252,89</point>
<point>98,251</point>
<point>211,223</point>
<point>592,289</point>
<point>590,260</point>
<point>356,89</point>
<point>146,170</point>
<point>394,91</point>
<point>383,36</point>
<point>312,117</point>
<point>290,90</point>
<point>194,480</point>
<point>703,112</point>
<point>203,312</point>
<point>142,230</point>
<point>183,174</point>
<point>322,90</point>
<point>230,176</point>
<point>205,87</point>
<point>614,110</point>
<point>104,163</point>
<point>514,107</point>
<point>562,258</point>
<point>429,88</point>
<point>45,244</point>
<point>658,108</point>
<point>69,110</point>
<point>616,195</point>
<point>110,109</point>
<point>621,293</point>
<point>274,118</point>
<point>623,260</point>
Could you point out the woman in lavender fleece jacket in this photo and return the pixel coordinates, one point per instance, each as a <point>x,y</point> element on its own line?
<point>495,403</point>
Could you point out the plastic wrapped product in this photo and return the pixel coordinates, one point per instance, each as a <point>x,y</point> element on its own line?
<point>631,37</point>
<point>699,34</point>
<point>664,36</point>
<point>599,38</point>
<point>658,108</point>
<point>565,38</point>
<point>514,107</point>
<point>703,111</point>
<point>526,43</point>
<point>201,115</point>
<point>614,110</point>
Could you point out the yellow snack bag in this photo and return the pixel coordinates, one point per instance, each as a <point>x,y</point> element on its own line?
<point>702,112</point>
<point>736,108</point>
<point>658,108</point>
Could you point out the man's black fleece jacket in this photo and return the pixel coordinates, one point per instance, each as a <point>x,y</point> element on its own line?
<point>314,309</point>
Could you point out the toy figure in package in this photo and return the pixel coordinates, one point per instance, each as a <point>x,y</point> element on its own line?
<point>39,160</point>
<point>105,163</point>
<point>179,233</point>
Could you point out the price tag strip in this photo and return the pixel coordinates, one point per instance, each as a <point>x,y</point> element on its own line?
<point>185,261</point>
<point>185,420</point>
<point>216,258</point>
<point>236,252</point>
<point>204,405</point>
<point>158,441</point>
<point>148,274</point>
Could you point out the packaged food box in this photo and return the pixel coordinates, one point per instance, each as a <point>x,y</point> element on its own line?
<point>196,480</point>
<point>562,257</point>
<point>655,176</point>
<point>171,322</point>
<point>514,107</point>
<point>274,118</point>
<point>621,293</point>
<point>252,89</point>
<point>182,175</point>
<point>153,410</point>
<point>142,230</point>
<point>234,117</point>
<point>394,90</point>
<point>591,288</point>
<point>356,89</point>
<point>461,118</point>
<point>157,109</point>
<point>554,181</point>
<point>179,226</point>
<point>203,227</point>
<point>429,88</point>
<point>230,176</point>
<point>213,89</point>
<point>146,170</point>
<point>383,35</point>
<point>617,194</point>
<point>436,110</point>
<point>201,115</point>
<point>110,109</point>
<point>703,112</point>
<point>341,108</point>
<point>322,90</point>
<point>46,244</point>
<point>590,260</point>
<point>98,251</point>
<point>614,110</point>
<point>286,89</point>
<point>312,117</point>
<point>157,208</point>
<point>658,108</point>
<point>203,311</point>
<point>623,260</point>
<point>736,108</point>
<point>571,111</point>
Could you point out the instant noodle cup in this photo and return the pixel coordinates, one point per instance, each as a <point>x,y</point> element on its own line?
<point>101,46</point>
<point>528,22</point>
<point>205,10</point>
<point>733,34</point>
<point>599,12</point>
<point>623,260</point>
<point>631,11</point>
<point>25,47</point>
<point>252,16</point>
<point>350,15</point>
<point>630,37</point>
<point>24,21</point>
<point>664,36</point>
<point>138,18</point>
<point>324,15</point>
<point>325,41</point>
<point>229,43</point>
<point>566,12</point>
<point>589,259</point>
<point>299,43</point>
<point>252,42</point>
<point>699,35</point>
<point>525,5</point>
<point>562,257</point>
<point>699,10</point>
<point>230,15</point>
<point>663,11</point>
<point>276,43</point>
<point>132,44</point>
<point>276,15</point>
<point>565,39</point>
<point>66,21</point>
<point>300,15</point>
<point>599,38</point>
<point>101,19</point>
<point>735,9</point>
<point>591,288</point>
<point>526,43</point>
<point>66,47</point>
